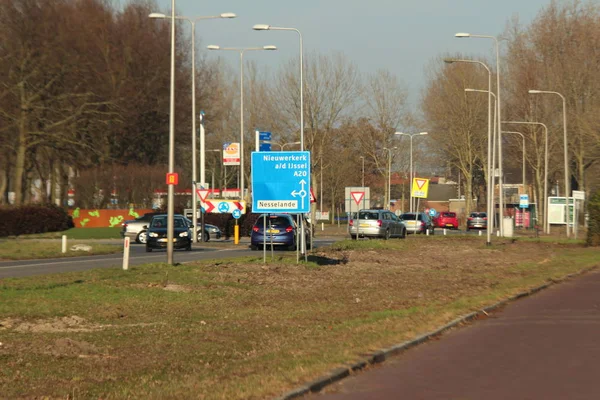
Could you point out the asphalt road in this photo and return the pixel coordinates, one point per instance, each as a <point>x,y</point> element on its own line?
<point>213,250</point>
<point>540,347</point>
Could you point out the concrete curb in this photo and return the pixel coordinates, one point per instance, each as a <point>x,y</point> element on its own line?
<point>384,354</point>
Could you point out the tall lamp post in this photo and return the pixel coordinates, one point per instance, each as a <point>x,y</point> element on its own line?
<point>491,167</point>
<point>545,206</point>
<point>411,161</point>
<point>389,194</point>
<point>265,27</point>
<point>500,170</point>
<point>362,182</point>
<point>241,50</point>
<point>192,22</point>
<point>566,155</point>
<point>490,186</point>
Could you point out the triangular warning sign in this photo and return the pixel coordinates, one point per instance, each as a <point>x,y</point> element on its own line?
<point>313,199</point>
<point>202,193</point>
<point>420,182</point>
<point>357,196</point>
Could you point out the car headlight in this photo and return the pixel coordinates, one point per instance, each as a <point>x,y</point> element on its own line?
<point>153,234</point>
<point>183,234</point>
<point>213,230</point>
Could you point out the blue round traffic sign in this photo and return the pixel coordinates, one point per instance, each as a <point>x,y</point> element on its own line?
<point>236,213</point>
<point>223,207</point>
<point>432,212</point>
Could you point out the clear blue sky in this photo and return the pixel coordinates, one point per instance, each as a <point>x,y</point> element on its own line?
<point>398,35</point>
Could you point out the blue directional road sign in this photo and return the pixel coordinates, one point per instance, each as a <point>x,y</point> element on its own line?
<point>264,136</point>
<point>264,147</point>
<point>281,182</point>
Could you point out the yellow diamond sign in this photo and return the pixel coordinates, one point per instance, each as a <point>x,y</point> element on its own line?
<point>420,187</point>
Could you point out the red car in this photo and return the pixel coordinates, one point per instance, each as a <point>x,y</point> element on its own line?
<point>446,220</point>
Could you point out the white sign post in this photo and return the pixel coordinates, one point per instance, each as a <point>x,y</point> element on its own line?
<point>126,253</point>
<point>577,195</point>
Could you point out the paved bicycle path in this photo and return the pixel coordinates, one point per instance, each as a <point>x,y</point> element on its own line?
<point>545,346</point>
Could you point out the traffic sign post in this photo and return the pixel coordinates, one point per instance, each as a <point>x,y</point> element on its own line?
<point>281,182</point>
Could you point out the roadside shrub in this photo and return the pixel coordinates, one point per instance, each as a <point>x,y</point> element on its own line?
<point>28,219</point>
<point>593,233</point>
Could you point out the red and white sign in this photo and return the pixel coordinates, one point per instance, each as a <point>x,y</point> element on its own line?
<point>231,154</point>
<point>202,193</point>
<point>313,199</point>
<point>222,206</point>
<point>357,196</point>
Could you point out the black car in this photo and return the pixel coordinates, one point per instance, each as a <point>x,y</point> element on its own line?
<point>157,232</point>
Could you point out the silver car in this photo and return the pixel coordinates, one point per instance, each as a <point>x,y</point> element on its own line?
<point>376,224</point>
<point>418,223</point>
<point>477,220</point>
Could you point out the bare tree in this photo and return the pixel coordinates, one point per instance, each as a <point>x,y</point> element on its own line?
<point>457,122</point>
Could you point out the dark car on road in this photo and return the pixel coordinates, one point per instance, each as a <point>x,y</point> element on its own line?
<point>477,220</point>
<point>134,228</point>
<point>157,232</point>
<point>281,231</point>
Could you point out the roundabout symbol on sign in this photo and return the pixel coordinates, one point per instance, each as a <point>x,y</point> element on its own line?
<point>223,207</point>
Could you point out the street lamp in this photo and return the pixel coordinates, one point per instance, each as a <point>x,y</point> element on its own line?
<point>192,22</point>
<point>265,27</point>
<point>490,186</point>
<point>282,146</point>
<point>241,50</point>
<point>566,157</point>
<point>411,161</point>
<point>500,178</point>
<point>492,167</point>
<point>545,206</point>
<point>389,193</point>
<point>363,171</point>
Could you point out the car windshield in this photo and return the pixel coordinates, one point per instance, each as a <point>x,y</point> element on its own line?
<point>449,215</point>
<point>368,215</point>
<point>160,222</point>
<point>410,216</point>
<point>274,220</point>
<point>478,215</point>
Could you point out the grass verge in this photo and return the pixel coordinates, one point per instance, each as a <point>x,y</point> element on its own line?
<point>18,249</point>
<point>247,330</point>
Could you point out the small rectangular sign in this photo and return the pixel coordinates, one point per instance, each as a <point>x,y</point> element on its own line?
<point>264,135</point>
<point>231,154</point>
<point>264,147</point>
<point>172,178</point>
<point>524,201</point>
<point>420,188</point>
<point>578,194</point>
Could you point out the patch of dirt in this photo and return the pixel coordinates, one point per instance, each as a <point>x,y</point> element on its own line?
<point>65,324</point>
<point>68,347</point>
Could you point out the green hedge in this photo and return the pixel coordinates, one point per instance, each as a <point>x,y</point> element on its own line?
<point>28,219</point>
<point>593,233</point>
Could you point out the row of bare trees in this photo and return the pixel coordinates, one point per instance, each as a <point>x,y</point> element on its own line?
<point>94,94</point>
<point>558,52</point>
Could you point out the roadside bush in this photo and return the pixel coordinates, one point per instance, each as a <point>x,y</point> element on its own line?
<point>593,233</point>
<point>28,219</point>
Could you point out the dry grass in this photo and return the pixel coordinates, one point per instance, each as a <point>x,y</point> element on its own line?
<point>245,330</point>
